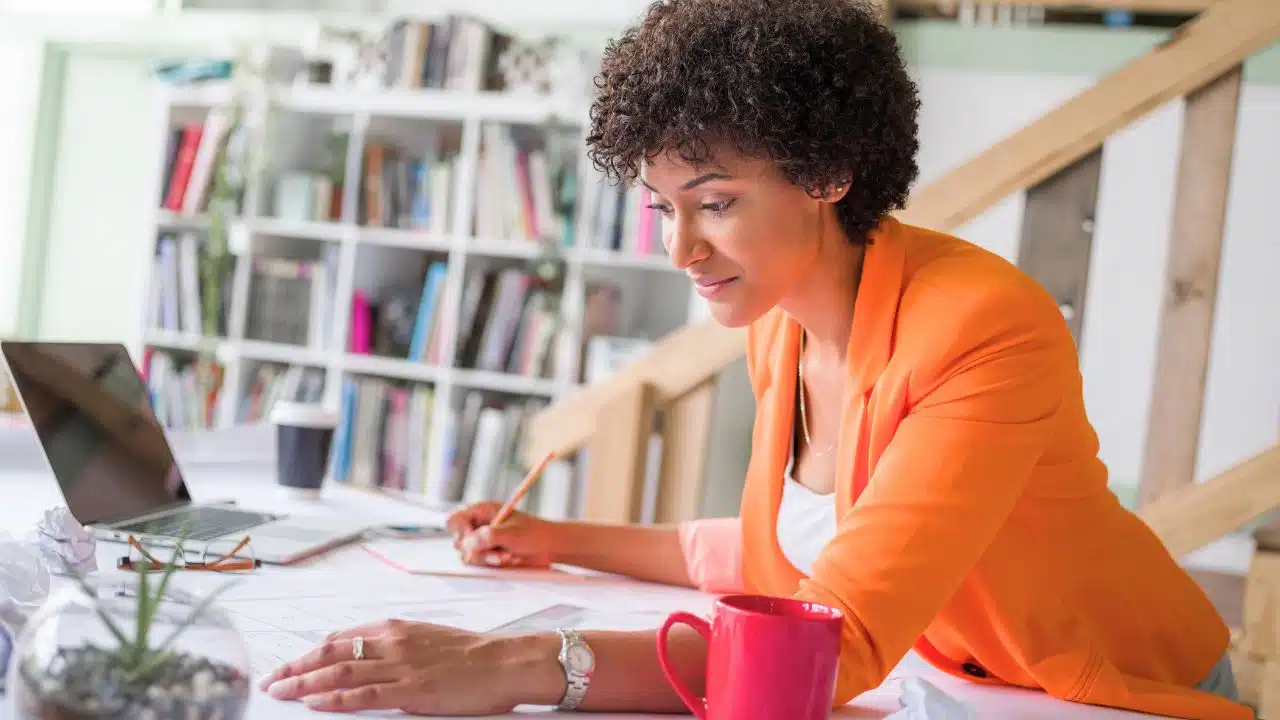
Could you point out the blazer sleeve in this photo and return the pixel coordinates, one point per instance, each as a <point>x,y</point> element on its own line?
<point>990,391</point>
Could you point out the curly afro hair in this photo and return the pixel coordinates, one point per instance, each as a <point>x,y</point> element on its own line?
<point>816,86</point>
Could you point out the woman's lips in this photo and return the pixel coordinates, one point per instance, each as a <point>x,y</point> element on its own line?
<point>710,287</point>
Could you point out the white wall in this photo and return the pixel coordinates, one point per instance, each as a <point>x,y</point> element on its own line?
<point>96,258</point>
<point>19,86</point>
<point>966,111</point>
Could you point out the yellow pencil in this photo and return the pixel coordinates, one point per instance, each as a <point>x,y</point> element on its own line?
<point>523,489</point>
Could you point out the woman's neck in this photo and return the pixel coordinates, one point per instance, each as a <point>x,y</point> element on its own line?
<point>823,303</point>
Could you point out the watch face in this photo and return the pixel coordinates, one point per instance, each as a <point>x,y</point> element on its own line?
<point>580,659</point>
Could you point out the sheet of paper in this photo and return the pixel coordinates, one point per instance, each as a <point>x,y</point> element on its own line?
<point>284,612</point>
<point>278,631</point>
<point>272,583</point>
<point>612,594</point>
<point>584,618</point>
<point>437,556</point>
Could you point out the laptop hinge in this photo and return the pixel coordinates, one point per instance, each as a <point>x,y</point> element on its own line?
<point>161,511</point>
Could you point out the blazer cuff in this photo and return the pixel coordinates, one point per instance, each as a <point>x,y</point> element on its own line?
<point>712,550</point>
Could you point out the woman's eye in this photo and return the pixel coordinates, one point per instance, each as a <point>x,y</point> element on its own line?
<point>664,209</point>
<point>717,207</point>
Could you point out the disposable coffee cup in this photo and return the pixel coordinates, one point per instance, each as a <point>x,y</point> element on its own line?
<point>304,436</point>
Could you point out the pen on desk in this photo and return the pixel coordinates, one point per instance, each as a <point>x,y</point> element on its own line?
<point>523,489</point>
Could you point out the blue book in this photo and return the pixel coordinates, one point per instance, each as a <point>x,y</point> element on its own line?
<point>426,310</point>
<point>340,457</point>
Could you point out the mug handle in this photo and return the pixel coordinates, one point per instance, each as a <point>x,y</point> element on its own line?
<point>695,704</point>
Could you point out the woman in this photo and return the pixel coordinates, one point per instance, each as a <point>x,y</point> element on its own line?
<point>921,456</point>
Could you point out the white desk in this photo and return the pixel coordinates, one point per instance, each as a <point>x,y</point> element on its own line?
<point>27,495</point>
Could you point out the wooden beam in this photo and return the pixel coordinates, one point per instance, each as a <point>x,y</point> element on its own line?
<point>1192,516</point>
<point>616,456</point>
<point>1191,287</point>
<point>1261,620</point>
<point>1057,235</point>
<point>682,361</point>
<point>1143,6</point>
<point>1202,49</point>
<point>686,427</point>
<point>1269,689</point>
<point>1267,535</point>
<point>886,8</point>
<point>1248,670</point>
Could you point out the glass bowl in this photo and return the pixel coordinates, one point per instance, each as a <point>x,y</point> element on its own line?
<point>68,663</point>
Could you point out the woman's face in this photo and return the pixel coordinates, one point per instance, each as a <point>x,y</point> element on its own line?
<point>745,235</point>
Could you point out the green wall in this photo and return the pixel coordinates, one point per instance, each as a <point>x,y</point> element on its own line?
<point>1073,50</point>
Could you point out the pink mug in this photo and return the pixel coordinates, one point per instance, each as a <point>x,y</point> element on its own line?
<point>768,658</point>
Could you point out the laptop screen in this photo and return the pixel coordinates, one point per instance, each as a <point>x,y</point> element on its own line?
<point>93,416</point>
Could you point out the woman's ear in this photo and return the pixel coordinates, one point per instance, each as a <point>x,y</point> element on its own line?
<point>835,193</point>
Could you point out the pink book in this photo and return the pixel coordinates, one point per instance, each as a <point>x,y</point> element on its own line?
<point>394,443</point>
<point>644,234</point>
<point>360,330</point>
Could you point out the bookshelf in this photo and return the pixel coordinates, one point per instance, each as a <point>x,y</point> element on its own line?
<point>384,262</point>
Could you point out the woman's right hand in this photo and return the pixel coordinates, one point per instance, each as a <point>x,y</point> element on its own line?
<point>522,540</point>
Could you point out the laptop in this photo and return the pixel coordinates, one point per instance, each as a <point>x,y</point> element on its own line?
<point>92,413</point>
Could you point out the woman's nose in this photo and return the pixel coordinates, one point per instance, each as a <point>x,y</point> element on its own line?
<point>684,244</point>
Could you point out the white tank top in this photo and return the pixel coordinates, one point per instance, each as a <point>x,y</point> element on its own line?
<point>806,521</point>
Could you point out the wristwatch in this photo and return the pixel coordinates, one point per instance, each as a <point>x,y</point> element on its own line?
<point>578,661</point>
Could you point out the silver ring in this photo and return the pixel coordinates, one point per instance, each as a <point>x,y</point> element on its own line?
<point>357,647</point>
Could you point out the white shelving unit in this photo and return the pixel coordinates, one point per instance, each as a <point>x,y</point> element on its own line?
<point>655,298</point>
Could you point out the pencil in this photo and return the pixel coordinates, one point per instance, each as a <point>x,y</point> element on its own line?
<point>510,505</point>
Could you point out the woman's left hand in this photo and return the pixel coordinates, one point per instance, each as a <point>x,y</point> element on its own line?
<point>419,668</point>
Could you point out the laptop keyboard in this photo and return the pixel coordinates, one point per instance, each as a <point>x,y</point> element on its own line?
<point>200,523</point>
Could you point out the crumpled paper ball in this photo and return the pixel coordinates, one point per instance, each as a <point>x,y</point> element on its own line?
<point>24,587</point>
<point>6,651</point>
<point>64,543</point>
<point>922,700</point>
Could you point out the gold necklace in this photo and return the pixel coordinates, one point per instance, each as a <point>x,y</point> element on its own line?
<point>804,413</point>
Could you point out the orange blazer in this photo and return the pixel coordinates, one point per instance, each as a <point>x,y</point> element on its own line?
<point>975,522</point>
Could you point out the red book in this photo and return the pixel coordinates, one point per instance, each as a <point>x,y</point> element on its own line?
<point>182,166</point>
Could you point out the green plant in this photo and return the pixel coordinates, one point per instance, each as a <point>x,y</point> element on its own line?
<point>135,656</point>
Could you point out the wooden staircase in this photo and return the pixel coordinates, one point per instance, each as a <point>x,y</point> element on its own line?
<point>1201,61</point>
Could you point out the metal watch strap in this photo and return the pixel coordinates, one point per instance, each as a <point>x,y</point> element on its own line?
<point>577,682</point>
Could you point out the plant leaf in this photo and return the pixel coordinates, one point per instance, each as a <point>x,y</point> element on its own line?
<point>141,615</point>
<point>172,567</point>
<point>169,570</point>
<point>148,603</point>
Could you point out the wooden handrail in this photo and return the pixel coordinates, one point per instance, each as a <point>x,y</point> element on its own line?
<point>1202,192</point>
<point>616,462</point>
<point>1188,518</point>
<point>1196,53</point>
<point>1199,51</point>
<point>680,362</point>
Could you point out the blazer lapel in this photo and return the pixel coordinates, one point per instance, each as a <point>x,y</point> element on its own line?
<point>870,344</point>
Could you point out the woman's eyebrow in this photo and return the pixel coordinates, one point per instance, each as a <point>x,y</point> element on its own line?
<point>704,178</point>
